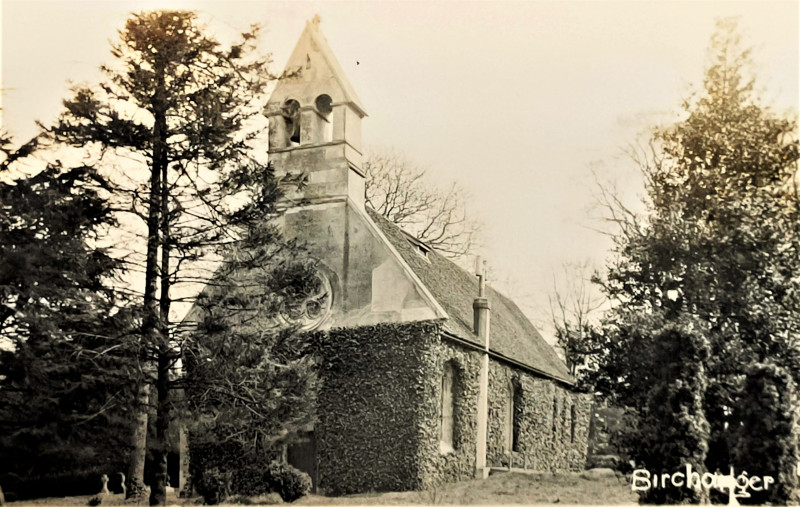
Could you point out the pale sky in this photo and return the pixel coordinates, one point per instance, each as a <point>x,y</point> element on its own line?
<point>517,101</point>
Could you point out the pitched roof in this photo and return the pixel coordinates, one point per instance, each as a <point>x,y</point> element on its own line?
<point>512,335</point>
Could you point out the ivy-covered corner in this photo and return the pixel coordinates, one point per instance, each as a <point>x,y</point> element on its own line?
<point>373,405</point>
<point>551,422</point>
<point>457,462</point>
<point>381,411</point>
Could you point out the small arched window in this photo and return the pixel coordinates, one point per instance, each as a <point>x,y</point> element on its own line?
<point>324,106</point>
<point>291,117</point>
<point>555,414</point>
<point>447,409</point>
<point>513,408</point>
<point>572,424</point>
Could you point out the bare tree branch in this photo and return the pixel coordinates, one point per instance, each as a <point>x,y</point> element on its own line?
<point>402,192</point>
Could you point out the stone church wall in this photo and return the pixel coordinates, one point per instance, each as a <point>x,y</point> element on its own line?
<point>549,439</point>
<point>459,463</point>
<point>538,447</point>
<point>379,408</point>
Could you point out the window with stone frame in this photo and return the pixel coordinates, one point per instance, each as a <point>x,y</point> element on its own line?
<point>572,424</point>
<point>516,416</point>
<point>555,414</point>
<point>291,118</point>
<point>512,422</point>
<point>447,409</point>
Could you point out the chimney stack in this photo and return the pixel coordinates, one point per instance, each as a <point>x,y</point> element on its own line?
<point>480,308</point>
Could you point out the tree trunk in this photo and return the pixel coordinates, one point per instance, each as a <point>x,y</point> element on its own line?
<point>160,197</point>
<point>135,486</point>
<point>158,489</point>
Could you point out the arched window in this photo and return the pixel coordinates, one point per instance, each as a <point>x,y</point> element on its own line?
<point>513,408</point>
<point>291,117</point>
<point>555,413</point>
<point>447,409</point>
<point>323,103</point>
<point>324,106</point>
<point>572,424</point>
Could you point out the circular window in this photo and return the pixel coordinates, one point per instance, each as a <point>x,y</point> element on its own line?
<point>323,103</point>
<point>311,311</point>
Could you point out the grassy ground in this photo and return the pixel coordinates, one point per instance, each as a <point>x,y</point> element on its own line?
<point>506,488</point>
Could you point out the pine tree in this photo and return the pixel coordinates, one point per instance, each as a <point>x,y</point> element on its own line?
<point>247,367</point>
<point>65,351</point>
<point>179,104</point>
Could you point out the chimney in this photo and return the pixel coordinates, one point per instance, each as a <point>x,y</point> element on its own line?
<point>480,308</point>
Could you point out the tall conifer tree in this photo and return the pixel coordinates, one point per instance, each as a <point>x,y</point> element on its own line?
<point>65,345</point>
<point>177,103</point>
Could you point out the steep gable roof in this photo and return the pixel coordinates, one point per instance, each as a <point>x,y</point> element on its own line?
<point>318,70</point>
<point>512,335</point>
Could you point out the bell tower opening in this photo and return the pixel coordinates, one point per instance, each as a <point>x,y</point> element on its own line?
<point>315,127</point>
<point>324,123</point>
<point>291,119</point>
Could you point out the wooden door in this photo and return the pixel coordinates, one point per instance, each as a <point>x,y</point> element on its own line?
<point>303,456</point>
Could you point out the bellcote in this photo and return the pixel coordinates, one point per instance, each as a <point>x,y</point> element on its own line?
<point>316,104</point>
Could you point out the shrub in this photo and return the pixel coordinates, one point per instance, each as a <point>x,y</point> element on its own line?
<point>671,429</point>
<point>289,482</point>
<point>765,438</point>
<point>214,485</point>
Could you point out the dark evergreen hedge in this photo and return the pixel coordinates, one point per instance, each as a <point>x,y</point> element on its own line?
<point>766,440</point>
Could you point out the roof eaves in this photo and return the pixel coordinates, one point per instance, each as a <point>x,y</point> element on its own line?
<point>497,355</point>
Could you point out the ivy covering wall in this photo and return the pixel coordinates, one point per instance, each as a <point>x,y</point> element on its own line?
<point>379,407</point>
<point>459,463</point>
<point>376,384</point>
<point>552,435</point>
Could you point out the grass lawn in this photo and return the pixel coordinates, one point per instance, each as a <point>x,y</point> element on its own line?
<point>504,488</point>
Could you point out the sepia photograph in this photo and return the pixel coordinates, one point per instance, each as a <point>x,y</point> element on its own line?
<point>351,252</point>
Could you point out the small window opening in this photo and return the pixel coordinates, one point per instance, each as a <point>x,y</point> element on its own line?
<point>513,408</point>
<point>515,415</point>
<point>447,409</point>
<point>419,247</point>
<point>291,115</point>
<point>572,424</point>
<point>323,125</point>
<point>324,105</point>
<point>555,414</point>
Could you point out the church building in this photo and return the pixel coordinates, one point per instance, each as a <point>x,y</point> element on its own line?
<point>429,374</point>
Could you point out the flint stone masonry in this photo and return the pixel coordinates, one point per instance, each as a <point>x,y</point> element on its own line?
<point>545,443</point>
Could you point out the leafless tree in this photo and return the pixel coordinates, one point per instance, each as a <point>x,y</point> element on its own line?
<point>401,191</point>
<point>572,304</point>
